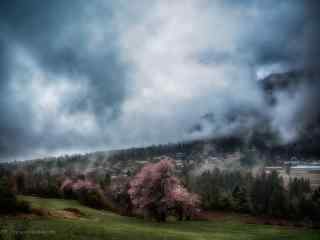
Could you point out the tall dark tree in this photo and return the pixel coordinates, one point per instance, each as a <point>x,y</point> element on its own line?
<point>241,199</point>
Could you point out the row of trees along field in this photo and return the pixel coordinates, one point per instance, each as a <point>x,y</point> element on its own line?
<point>191,150</point>
<point>9,202</point>
<point>156,193</point>
<point>260,194</point>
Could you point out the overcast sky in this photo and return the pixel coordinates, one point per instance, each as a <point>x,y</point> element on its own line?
<point>80,76</point>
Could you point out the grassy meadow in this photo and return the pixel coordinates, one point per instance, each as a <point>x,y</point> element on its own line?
<point>91,224</point>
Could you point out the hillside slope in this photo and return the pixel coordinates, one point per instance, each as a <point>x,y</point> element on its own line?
<point>97,225</point>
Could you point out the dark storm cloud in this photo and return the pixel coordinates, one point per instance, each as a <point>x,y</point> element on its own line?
<point>311,58</point>
<point>272,32</point>
<point>52,32</point>
<point>277,32</point>
<point>77,75</point>
<point>312,35</point>
<point>44,27</point>
<point>11,121</point>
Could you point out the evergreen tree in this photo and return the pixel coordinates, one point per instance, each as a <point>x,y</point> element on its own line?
<point>8,199</point>
<point>241,199</point>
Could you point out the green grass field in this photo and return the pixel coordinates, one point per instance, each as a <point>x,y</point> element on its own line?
<point>96,225</point>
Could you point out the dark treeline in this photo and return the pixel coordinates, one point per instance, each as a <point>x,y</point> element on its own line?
<point>264,144</point>
<point>261,194</point>
<point>9,203</point>
<point>190,148</point>
<point>238,191</point>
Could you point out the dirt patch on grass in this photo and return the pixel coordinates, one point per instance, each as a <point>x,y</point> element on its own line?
<point>248,219</point>
<point>67,213</point>
<point>40,212</point>
<point>76,211</point>
<point>64,214</point>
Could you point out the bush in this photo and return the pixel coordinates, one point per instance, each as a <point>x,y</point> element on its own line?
<point>92,198</point>
<point>118,192</point>
<point>9,204</point>
<point>86,192</point>
<point>156,192</point>
<point>8,199</point>
<point>23,206</point>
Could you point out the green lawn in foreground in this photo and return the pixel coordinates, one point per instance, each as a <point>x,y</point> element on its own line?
<point>106,225</point>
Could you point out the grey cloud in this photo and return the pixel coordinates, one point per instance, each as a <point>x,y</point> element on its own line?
<point>83,75</point>
<point>60,37</point>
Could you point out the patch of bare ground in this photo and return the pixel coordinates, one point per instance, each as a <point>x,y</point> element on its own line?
<point>66,213</point>
<point>75,211</point>
<point>249,219</point>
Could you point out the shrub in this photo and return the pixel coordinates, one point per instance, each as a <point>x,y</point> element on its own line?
<point>9,204</point>
<point>23,206</point>
<point>8,199</point>
<point>66,188</point>
<point>155,192</point>
<point>119,193</point>
<point>92,198</point>
<point>86,192</point>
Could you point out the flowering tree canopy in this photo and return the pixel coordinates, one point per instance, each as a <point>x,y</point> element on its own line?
<point>119,193</point>
<point>77,185</point>
<point>155,191</point>
<point>86,191</point>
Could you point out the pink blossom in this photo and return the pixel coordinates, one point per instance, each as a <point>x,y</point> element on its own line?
<point>77,185</point>
<point>83,185</point>
<point>66,184</point>
<point>155,185</point>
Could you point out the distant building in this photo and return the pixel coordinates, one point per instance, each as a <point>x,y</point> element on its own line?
<point>292,162</point>
<point>309,168</point>
<point>268,170</point>
<point>309,171</point>
<point>179,163</point>
<point>141,162</point>
<point>180,156</point>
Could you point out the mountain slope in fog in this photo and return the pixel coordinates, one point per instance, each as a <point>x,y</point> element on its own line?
<point>266,128</point>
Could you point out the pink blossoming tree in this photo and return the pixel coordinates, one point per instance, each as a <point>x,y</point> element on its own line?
<point>156,192</point>
<point>76,186</point>
<point>87,192</point>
